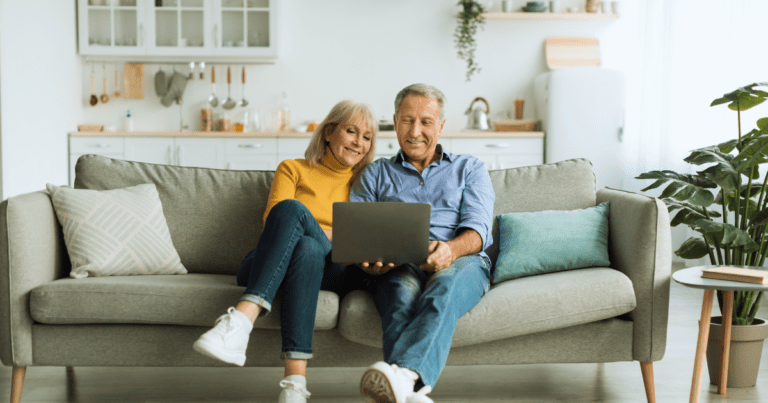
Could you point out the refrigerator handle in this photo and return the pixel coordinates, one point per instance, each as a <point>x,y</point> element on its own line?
<point>621,126</point>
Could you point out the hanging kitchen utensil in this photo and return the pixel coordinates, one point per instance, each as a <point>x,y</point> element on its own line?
<point>134,80</point>
<point>191,70</point>
<point>161,82</point>
<point>117,83</point>
<point>229,103</point>
<point>243,102</point>
<point>104,96</point>
<point>478,119</point>
<point>178,83</point>
<point>213,100</point>
<point>202,70</point>
<point>94,99</point>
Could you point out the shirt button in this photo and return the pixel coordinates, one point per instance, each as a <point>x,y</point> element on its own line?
<point>422,183</point>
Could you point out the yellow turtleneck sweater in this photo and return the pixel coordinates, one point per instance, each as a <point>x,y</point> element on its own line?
<point>316,187</point>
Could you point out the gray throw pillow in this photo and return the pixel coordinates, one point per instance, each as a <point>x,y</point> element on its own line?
<point>120,232</point>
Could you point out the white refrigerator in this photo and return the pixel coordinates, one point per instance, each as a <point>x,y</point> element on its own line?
<point>582,116</point>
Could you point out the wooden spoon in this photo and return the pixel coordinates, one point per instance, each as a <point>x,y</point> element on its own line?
<point>94,98</point>
<point>117,84</point>
<point>104,96</point>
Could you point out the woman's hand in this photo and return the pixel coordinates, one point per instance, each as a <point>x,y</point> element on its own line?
<point>329,234</point>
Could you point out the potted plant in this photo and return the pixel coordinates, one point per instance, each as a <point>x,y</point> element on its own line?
<point>728,206</point>
<point>470,18</point>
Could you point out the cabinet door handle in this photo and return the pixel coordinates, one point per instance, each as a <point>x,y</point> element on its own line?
<point>215,35</point>
<point>498,145</point>
<point>178,155</point>
<point>228,165</point>
<point>141,35</point>
<point>168,156</point>
<point>101,145</point>
<point>249,145</point>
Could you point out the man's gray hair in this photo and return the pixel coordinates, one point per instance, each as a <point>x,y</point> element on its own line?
<point>425,90</point>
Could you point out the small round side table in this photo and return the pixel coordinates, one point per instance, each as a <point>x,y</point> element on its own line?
<point>691,277</point>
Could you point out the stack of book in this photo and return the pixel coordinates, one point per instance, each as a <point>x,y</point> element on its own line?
<point>736,274</point>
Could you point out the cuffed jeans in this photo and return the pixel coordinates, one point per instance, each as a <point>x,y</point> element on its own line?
<point>419,311</point>
<point>293,254</point>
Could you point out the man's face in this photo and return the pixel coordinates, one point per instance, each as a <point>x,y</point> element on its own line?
<point>418,127</point>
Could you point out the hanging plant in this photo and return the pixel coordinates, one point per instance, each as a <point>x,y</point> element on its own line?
<point>470,18</point>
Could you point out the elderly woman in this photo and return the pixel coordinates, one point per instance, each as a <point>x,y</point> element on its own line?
<point>293,252</point>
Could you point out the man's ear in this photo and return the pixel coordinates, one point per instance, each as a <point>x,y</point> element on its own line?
<point>442,125</point>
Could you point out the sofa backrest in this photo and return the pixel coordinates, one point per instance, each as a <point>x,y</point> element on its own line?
<point>215,215</point>
<point>564,185</point>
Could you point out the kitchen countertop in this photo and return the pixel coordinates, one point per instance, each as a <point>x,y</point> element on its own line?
<point>384,134</point>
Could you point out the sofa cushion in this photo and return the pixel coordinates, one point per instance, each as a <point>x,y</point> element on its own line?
<point>120,232</point>
<point>513,308</point>
<point>192,300</point>
<point>564,185</point>
<point>548,241</point>
<point>214,215</point>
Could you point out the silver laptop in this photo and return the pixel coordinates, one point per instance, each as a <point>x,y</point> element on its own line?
<point>390,231</point>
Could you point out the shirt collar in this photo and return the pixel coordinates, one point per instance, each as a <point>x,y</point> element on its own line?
<point>439,149</point>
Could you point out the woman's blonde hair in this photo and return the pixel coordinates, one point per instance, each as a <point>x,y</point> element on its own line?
<point>344,112</point>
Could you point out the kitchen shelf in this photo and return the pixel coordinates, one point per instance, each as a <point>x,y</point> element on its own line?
<point>550,16</point>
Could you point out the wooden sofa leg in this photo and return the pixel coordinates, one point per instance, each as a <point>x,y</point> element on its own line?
<point>650,391</point>
<point>17,383</point>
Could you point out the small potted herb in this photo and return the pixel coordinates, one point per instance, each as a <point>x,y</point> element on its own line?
<point>470,18</point>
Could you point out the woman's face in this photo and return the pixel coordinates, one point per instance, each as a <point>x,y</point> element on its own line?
<point>350,142</point>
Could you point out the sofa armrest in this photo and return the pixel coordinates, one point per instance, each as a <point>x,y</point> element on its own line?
<point>640,246</point>
<point>32,253</point>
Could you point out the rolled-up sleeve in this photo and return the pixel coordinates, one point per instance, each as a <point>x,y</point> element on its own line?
<point>477,203</point>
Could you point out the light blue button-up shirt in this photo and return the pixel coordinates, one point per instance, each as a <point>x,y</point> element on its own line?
<point>456,186</point>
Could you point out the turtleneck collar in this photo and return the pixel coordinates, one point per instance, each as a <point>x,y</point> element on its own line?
<point>330,161</point>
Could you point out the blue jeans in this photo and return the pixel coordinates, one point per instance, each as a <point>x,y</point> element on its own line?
<point>293,255</point>
<point>419,311</point>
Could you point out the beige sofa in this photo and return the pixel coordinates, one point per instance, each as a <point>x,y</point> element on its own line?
<point>600,314</point>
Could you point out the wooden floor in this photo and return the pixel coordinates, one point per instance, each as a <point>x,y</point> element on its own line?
<point>614,382</point>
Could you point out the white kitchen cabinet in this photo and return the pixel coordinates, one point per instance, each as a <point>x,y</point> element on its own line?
<point>257,154</point>
<point>154,150</point>
<point>178,28</point>
<point>200,152</point>
<point>190,152</point>
<point>501,152</point>
<point>265,153</point>
<point>289,148</point>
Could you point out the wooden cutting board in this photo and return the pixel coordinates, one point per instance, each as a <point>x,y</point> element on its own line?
<point>134,80</point>
<point>567,53</point>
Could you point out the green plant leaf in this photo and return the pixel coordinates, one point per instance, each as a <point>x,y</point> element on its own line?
<point>743,98</point>
<point>759,218</point>
<point>728,235</point>
<point>753,154</point>
<point>728,146</point>
<point>724,175</point>
<point>673,205</point>
<point>693,248</point>
<point>687,217</point>
<point>762,124</point>
<point>708,155</point>
<point>690,187</point>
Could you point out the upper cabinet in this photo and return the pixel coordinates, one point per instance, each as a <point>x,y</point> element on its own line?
<point>157,29</point>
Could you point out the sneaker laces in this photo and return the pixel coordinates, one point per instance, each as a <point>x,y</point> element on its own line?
<point>291,385</point>
<point>232,322</point>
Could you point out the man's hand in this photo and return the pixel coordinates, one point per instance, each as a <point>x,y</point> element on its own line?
<point>377,268</point>
<point>440,257</point>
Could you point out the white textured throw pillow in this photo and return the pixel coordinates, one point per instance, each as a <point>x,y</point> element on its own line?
<point>119,232</point>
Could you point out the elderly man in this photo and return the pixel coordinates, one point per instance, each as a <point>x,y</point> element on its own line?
<point>420,304</point>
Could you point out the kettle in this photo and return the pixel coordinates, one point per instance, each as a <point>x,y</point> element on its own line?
<point>478,119</point>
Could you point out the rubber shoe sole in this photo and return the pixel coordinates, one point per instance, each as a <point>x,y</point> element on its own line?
<point>202,347</point>
<point>375,387</point>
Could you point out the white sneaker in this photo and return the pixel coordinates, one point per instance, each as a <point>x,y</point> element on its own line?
<point>293,392</point>
<point>420,396</point>
<point>228,339</point>
<point>385,383</point>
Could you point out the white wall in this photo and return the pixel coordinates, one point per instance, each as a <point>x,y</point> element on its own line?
<point>39,92</point>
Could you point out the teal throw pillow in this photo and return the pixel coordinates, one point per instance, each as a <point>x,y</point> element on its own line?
<point>551,241</point>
